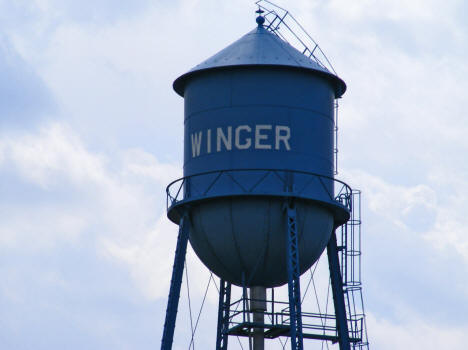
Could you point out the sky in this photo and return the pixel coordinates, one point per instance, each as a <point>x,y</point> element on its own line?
<point>91,132</point>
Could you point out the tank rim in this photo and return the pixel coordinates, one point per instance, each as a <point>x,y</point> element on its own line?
<point>340,213</point>
<point>338,84</point>
<point>339,204</point>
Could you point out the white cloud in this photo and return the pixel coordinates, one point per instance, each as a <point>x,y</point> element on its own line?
<point>450,228</point>
<point>143,164</point>
<point>148,256</point>
<point>402,124</point>
<point>54,151</point>
<point>118,203</point>
<point>433,210</point>
<point>398,204</point>
<point>2,152</point>
<point>413,333</point>
<point>394,10</point>
<point>40,228</point>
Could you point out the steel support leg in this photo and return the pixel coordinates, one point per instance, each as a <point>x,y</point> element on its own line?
<point>258,308</point>
<point>293,279</point>
<point>176,282</point>
<point>338,294</point>
<point>223,315</point>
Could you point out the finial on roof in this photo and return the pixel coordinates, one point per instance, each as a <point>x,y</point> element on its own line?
<point>260,19</point>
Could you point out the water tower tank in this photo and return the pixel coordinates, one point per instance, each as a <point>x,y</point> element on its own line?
<point>258,133</point>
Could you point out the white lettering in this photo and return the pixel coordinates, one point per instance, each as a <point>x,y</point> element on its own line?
<point>227,140</point>
<point>259,137</point>
<point>283,134</point>
<point>244,138</point>
<point>208,141</point>
<point>248,140</point>
<point>196,143</point>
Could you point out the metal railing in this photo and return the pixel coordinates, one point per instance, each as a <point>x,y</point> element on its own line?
<point>316,325</point>
<point>277,321</point>
<point>278,182</point>
<point>277,18</point>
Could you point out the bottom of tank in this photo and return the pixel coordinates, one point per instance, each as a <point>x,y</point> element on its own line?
<point>245,237</point>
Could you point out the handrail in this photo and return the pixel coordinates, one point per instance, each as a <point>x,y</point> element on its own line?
<point>175,194</point>
<point>296,33</point>
<point>313,322</point>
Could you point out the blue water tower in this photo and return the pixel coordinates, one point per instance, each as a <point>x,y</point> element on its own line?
<point>258,200</point>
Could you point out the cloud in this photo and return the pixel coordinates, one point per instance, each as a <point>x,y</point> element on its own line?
<point>95,12</point>
<point>398,204</point>
<point>70,217</point>
<point>52,153</point>
<point>413,333</point>
<point>93,132</point>
<point>24,97</point>
<point>395,10</point>
<point>408,230</point>
<point>148,257</point>
<point>76,192</point>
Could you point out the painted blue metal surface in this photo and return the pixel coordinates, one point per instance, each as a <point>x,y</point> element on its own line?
<point>260,117</point>
<point>260,47</point>
<point>294,290</point>
<point>233,236</point>
<point>224,305</point>
<point>258,129</point>
<point>176,282</point>
<point>338,293</point>
<point>261,183</point>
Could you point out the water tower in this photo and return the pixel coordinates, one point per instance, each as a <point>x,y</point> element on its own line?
<point>259,202</point>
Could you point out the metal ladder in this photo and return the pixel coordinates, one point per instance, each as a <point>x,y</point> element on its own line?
<point>349,246</point>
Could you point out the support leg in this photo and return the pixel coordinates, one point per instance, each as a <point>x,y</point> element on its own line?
<point>176,282</point>
<point>258,307</point>
<point>293,279</point>
<point>338,294</point>
<point>223,315</point>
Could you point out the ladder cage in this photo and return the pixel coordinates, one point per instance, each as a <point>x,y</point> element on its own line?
<point>350,248</point>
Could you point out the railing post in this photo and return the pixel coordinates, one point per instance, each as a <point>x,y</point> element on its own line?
<point>187,189</point>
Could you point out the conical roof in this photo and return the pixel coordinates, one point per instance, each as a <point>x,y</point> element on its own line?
<point>260,47</point>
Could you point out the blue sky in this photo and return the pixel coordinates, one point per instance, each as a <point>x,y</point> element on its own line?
<point>91,133</point>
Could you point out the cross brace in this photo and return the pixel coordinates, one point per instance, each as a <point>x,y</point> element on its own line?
<point>294,290</point>
<point>223,315</point>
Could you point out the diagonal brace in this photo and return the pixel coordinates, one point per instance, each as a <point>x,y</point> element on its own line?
<point>338,293</point>
<point>176,282</point>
